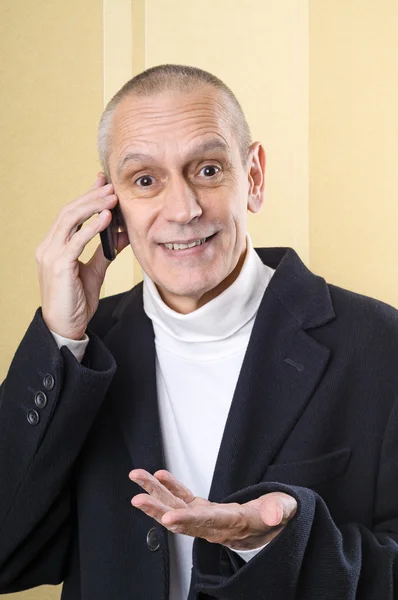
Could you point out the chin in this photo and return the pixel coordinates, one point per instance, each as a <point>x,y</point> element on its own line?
<point>190,288</point>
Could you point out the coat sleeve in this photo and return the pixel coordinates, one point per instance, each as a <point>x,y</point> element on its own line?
<point>312,557</point>
<point>40,440</point>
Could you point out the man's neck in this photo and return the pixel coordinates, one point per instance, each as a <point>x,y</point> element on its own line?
<point>186,304</point>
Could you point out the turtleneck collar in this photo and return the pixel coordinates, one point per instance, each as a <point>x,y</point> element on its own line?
<point>221,317</point>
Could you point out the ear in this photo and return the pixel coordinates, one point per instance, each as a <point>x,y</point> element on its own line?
<point>256,177</point>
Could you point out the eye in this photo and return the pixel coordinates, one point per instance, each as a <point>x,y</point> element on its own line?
<point>145,179</point>
<point>210,170</point>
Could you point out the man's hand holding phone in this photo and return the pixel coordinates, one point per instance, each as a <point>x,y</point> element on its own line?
<point>70,289</point>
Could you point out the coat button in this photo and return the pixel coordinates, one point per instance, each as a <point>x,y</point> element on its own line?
<point>40,399</point>
<point>152,540</point>
<point>48,381</point>
<point>33,417</point>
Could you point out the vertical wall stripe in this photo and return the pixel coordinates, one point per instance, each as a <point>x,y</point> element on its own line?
<point>139,37</point>
<point>300,101</point>
<point>117,69</point>
<point>139,54</point>
<point>118,45</point>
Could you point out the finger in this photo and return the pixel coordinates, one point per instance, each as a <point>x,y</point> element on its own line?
<point>73,215</point>
<point>101,180</point>
<point>74,219</point>
<point>277,508</point>
<point>96,266</point>
<point>214,523</point>
<point>92,196</point>
<point>70,209</point>
<point>156,489</point>
<point>80,239</point>
<point>85,211</point>
<point>69,225</point>
<point>174,486</point>
<point>98,259</point>
<point>150,506</point>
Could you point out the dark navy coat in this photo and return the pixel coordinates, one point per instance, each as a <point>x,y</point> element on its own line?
<point>314,414</point>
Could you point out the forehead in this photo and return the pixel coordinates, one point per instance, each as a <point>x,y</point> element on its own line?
<point>169,121</point>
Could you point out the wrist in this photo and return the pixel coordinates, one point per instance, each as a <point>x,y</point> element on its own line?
<point>64,332</point>
<point>256,542</point>
<point>83,338</point>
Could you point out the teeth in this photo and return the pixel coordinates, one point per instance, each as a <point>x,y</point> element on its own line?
<point>184,246</point>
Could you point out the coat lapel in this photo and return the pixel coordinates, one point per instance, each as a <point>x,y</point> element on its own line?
<point>133,390</point>
<point>281,369</point>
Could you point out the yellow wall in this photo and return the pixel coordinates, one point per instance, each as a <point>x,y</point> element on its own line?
<point>354,144</point>
<point>118,54</point>
<point>51,97</point>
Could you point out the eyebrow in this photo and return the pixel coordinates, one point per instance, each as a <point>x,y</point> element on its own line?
<point>202,148</point>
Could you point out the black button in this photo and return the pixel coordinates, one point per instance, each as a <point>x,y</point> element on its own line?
<point>48,381</point>
<point>40,399</point>
<point>33,417</point>
<point>152,540</point>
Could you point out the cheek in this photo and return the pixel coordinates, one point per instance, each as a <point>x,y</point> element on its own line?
<point>233,212</point>
<point>224,204</point>
<point>139,220</point>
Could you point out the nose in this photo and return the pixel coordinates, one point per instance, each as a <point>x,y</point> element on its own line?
<point>181,203</point>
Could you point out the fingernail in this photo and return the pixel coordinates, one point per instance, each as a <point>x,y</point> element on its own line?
<point>278,516</point>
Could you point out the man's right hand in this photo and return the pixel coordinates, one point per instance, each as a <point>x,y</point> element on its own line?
<point>70,289</point>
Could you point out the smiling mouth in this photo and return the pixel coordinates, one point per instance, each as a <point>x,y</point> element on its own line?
<point>179,246</point>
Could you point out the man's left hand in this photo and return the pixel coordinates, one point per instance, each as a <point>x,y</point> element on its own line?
<point>239,526</point>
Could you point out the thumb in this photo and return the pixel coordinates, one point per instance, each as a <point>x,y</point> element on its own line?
<point>277,508</point>
<point>98,263</point>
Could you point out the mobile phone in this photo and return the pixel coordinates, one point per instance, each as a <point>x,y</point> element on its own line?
<point>109,235</point>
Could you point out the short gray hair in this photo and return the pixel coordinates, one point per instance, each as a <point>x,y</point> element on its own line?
<point>172,77</point>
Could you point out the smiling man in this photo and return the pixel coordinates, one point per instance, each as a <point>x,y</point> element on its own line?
<point>227,428</point>
<point>177,169</point>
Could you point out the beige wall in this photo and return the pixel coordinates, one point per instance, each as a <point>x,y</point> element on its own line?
<point>323,97</point>
<point>51,96</point>
<point>354,144</point>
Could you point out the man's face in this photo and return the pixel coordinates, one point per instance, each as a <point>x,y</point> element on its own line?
<point>178,174</point>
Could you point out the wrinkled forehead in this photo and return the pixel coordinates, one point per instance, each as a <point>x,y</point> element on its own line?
<point>169,121</point>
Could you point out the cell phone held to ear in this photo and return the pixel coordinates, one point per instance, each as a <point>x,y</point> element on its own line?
<point>109,235</point>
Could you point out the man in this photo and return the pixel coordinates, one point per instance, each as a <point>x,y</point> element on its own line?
<point>268,395</point>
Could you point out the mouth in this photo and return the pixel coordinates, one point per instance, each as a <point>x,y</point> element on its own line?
<point>188,246</point>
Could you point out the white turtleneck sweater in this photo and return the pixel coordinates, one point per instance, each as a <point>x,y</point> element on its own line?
<point>199,357</point>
